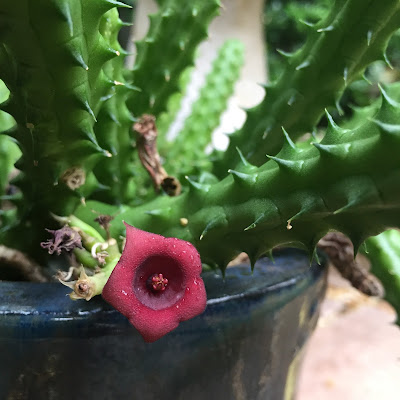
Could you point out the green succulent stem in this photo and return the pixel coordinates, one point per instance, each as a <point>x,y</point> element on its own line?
<point>384,253</point>
<point>100,279</point>
<point>337,51</point>
<point>166,52</point>
<point>53,71</point>
<point>114,122</point>
<point>206,112</point>
<point>294,198</point>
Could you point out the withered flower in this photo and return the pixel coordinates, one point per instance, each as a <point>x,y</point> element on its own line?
<point>65,239</point>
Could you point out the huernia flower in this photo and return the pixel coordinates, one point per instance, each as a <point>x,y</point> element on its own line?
<point>156,283</point>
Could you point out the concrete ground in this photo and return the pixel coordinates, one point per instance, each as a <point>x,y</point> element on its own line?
<point>355,352</point>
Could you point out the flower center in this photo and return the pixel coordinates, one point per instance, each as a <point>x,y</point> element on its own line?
<point>157,282</point>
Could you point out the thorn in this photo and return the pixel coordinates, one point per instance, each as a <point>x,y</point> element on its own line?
<point>244,161</point>
<point>167,75</point>
<point>345,73</point>
<point>289,225</point>
<point>124,23</point>
<point>197,186</point>
<point>271,256</point>
<point>307,205</point>
<point>66,13</point>
<point>116,3</point>
<point>316,256</point>
<point>152,100</point>
<point>79,59</point>
<point>303,65</point>
<point>369,37</point>
<point>366,79</point>
<point>114,118</point>
<point>158,212</point>
<point>385,95</point>
<point>255,223</point>
<point>339,107</point>
<point>241,177</point>
<point>219,221</point>
<point>167,13</point>
<point>89,109</point>
<point>333,149</point>
<point>349,205</point>
<point>253,259</point>
<point>331,121</point>
<point>288,139</point>
<point>291,100</point>
<point>389,128</point>
<point>327,29</point>
<point>284,53</point>
<point>387,61</point>
<point>314,133</point>
<point>289,164</point>
<point>265,134</point>
<point>306,23</point>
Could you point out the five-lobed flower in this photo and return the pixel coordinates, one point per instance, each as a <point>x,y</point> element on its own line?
<point>156,283</point>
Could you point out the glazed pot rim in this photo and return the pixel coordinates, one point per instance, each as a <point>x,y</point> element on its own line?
<point>40,310</point>
<point>219,289</point>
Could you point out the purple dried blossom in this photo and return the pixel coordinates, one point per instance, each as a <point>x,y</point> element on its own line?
<point>63,239</point>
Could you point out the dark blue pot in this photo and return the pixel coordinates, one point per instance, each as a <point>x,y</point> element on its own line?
<point>246,345</point>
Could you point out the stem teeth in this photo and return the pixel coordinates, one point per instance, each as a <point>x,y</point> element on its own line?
<point>369,37</point>
<point>303,65</point>
<point>326,29</point>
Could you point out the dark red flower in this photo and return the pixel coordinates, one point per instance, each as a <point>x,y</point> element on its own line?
<point>156,283</point>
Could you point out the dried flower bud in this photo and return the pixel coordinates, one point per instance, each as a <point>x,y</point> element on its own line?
<point>63,239</point>
<point>104,221</point>
<point>83,288</point>
<point>149,157</point>
<point>74,177</point>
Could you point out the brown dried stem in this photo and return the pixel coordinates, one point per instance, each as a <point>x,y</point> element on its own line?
<point>18,260</point>
<point>147,148</point>
<point>340,250</point>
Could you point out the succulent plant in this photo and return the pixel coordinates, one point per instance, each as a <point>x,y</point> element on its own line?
<point>72,103</point>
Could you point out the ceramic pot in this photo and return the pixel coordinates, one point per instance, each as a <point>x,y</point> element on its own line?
<point>246,345</point>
